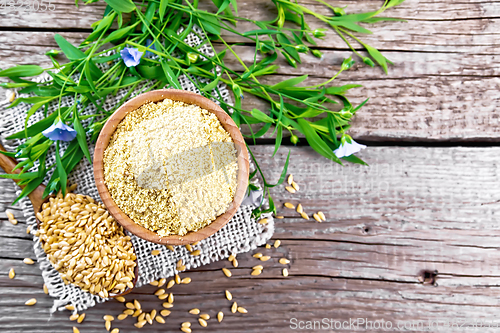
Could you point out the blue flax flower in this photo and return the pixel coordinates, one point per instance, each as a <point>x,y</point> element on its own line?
<point>131,56</point>
<point>348,147</point>
<point>60,131</point>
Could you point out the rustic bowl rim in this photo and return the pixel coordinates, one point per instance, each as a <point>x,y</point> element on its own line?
<point>188,98</point>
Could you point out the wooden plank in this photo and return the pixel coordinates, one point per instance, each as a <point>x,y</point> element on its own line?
<point>434,26</point>
<point>413,209</point>
<point>426,96</point>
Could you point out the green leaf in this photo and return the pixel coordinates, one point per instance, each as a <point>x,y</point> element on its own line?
<point>118,34</point>
<point>210,23</point>
<point>124,6</point>
<point>342,89</point>
<point>26,175</point>
<point>332,128</point>
<point>88,76</point>
<point>377,56</point>
<point>148,17</point>
<point>22,71</point>
<point>351,26</point>
<point>263,130</point>
<point>283,173</point>
<point>235,6</point>
<point>30,187</point>
<point>290,82</point>
<point>63,178</point>
<point>260,32</point>
<point>163,9</point>
<point>279,137</point>
<point>261,116</point>
<point>211,85</point>
<point>81,137</point>
<point>223,6</point>
<point>105,23</point>
<point>288,47</point>
<point>360,105</point>
<point>316,142</point>
<point>71,51</point>
<point>32,111</point>
<point>393,3</point>
<point>354,159</point>
<point>171,77</point>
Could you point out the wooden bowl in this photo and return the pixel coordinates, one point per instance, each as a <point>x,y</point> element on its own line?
<point>188,98</point>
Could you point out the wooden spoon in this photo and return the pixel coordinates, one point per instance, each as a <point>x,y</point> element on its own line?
<point>36,197</point>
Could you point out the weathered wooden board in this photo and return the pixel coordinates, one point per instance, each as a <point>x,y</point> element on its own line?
<point>425,96</point>
<point>413,209</point>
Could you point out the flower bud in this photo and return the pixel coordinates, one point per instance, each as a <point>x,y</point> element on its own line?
<point>237,91</point>
<point>338,11</point>
<point>301,48</point>
<point>368,61</point>
<point>294,139</point>
<point>290,60</point>
<point>317,53</point>
<point>318,33</point>
<point>192,57</point>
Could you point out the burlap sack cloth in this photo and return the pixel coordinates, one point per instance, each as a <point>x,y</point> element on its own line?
<point>241,234</point>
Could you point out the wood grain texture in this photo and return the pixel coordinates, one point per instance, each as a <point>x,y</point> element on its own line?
<point>188,98</point>
<point>412,210</point>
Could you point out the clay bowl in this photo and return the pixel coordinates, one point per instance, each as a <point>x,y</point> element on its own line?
<point>188,98</point>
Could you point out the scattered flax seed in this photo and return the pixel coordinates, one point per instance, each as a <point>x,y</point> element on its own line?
<point>242,310</point>
<point>194,311</point>
<point>196,243</point>
<point>160,319</point>
<point>165,313</point>
<point>179,263</point>
<point>290,179</point>
<point>186,280</point>
<point>161,146</point>
<point>12,273</point>
<point>130,305</point>
<point>322,216</point>
<point>229,296</point>
<point>189,247</point>
<point>186,329</point>
<point>317,218</point>
<point>69,307</point>
<point>268,246</point>
<point>234,307</point>
<point>153,314</point>
<point>285,272</point>
<point>256,272</point>
<point>279,216</point>
<point>161,282</point>
<point>115,330</point>
<point>202,322</point>
<point>167,305</point>
<point>75,330</point>
<point>141,317</point>
<point>11,217</point>
<point>304,215</point>
<point>137,305</point>
<point>45,289</point>
<point>159,292</point>
<point>140,324</point>
<point>205,316</point>
<point>231,257</point>
<point>107,325</point>
<point>186,324</point>
<point>182,268</point>
<point>196,253</point>
<point>31,301</point>
<point>300,210</point>
<point>277,243</point>
<point>290,189</point>
<point>149,319</point>
<point>295,186</point>
<point>220,316</point>
<point>257,255</point>
<point>170,298</point>
<point>154,283</point>
<point>120,299</point>
<point>265,258</point>
<point>258,267</point>
<point>122,316</point>
<point>284,261</point>
<point>155,252</point>
<point>171,248</point>
<point>128,312</point>
<point>235,262</point>
<point>28,261</point>
<point>177,279</point>
<point>170,284</point>
<point>227,272</point>
<point>162,297</point>
<point>137,313</point>
<point>289,205</point>
<point>74,317</point>
<point>263,221</point>
<point>28,229</point>
<point>80,318</point>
